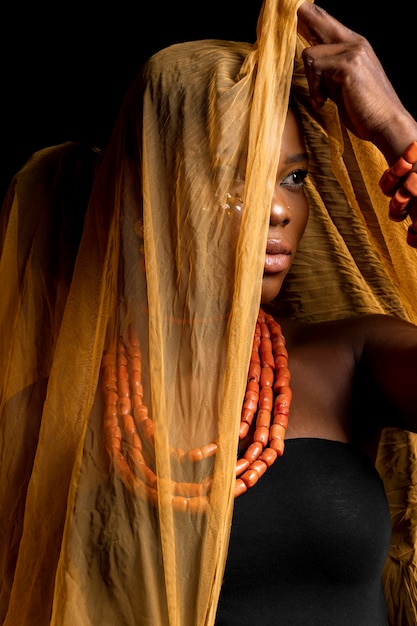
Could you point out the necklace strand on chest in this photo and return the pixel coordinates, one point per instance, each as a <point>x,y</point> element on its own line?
<point>129,429</point>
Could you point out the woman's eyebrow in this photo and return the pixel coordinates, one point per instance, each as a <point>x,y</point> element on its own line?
<point>297,157</point>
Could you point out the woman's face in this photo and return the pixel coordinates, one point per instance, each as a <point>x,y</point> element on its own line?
<point>289,209</point>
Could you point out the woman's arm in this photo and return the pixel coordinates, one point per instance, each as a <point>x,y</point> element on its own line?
<point>341,65</point>
<point>386,355</point>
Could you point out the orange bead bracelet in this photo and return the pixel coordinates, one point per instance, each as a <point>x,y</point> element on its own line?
<point>400,183</point>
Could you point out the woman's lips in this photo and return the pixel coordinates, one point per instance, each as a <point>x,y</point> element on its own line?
<point>277,257</point>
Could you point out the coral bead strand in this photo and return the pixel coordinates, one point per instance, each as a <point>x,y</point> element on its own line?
<point>129,430</point>
<point>269,350</point>
<point>399,182</point>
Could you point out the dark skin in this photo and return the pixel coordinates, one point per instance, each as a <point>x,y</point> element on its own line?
<point>341,65</point>
<point>350,378</point>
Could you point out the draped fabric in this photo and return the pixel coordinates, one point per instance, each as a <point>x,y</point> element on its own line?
<point>168,256</point>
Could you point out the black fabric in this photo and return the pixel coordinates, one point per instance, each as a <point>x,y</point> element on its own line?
<point>309,542</point>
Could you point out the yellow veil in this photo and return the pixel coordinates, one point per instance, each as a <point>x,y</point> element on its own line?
<point>166,253</point>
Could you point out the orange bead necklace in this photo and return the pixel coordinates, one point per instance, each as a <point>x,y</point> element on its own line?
<point>129,429</point>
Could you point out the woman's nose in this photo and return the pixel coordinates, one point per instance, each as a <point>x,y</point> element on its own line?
<point>280,213</point>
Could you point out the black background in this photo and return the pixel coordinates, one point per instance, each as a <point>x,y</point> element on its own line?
<point>65,67</point>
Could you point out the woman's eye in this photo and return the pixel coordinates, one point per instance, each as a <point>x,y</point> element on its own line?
<point>296,179</point>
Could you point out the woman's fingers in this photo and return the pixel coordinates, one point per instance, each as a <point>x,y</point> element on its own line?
<point>334,49</point>
<point>341,65</point>
<point>319,27</point>
<point>326,61</point>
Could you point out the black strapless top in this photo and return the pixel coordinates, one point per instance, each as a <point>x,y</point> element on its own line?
<point>309,542</point>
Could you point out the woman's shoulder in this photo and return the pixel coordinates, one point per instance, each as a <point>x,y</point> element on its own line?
<point>358,332</point>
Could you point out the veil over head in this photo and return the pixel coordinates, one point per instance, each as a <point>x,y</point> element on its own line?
<point>166,284</point>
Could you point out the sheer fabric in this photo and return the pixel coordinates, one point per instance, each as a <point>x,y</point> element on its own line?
<point>172,251</point>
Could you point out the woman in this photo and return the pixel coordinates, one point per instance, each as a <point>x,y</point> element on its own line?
<point>125,375</point>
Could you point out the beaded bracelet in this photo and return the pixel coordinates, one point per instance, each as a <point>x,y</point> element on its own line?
<point>400,183</point>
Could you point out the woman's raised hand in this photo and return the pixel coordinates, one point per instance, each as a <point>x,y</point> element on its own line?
<point>341,65</point>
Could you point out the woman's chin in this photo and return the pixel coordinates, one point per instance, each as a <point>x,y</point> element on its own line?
<point>271,286</point>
